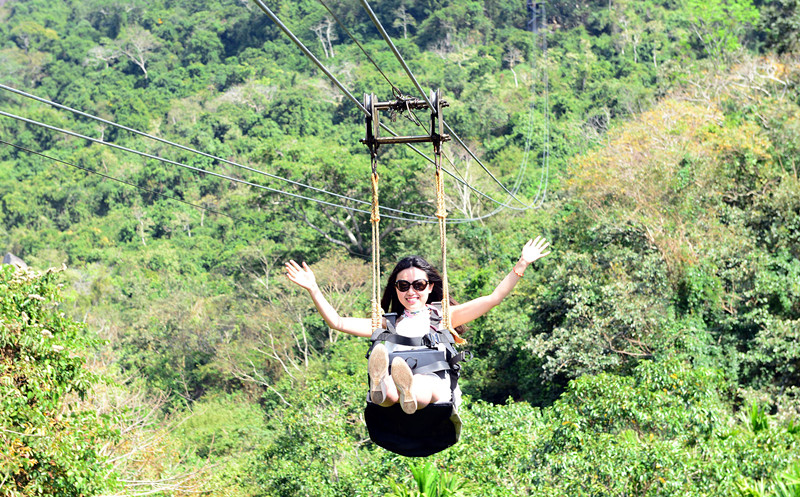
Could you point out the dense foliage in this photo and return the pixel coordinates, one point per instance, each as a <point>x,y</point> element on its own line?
<point>654,352</point>
<point>51,441</point>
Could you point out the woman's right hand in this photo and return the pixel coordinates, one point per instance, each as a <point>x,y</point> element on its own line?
<point>302,276</point>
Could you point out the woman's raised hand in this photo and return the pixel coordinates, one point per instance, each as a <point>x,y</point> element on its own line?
<point>302,276</point>
<point>534,250</point>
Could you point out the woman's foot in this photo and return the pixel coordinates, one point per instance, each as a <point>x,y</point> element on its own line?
<point>378,367</point>
<point>404,380</point>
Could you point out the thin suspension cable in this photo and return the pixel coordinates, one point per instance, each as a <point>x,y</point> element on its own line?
<point>322,67</point>
<point>496,211</point>
<point>310,55</point>
<point>399,57</point>
<point>531,113</point>
<point>500,207</point>
<point>179,164</point>
<point>472,154</point>
<point>529,134</point>
<point>463,181</point>
<point>396,91</point>
<point>520,173</point>
<point>456,178</point>
<point>88,170</point>
<point>545,174</point>
<point>211,173</point>
<point>460,178</point>
<point>524,163</point>
<point>546,150</point>
<point>195,151</point>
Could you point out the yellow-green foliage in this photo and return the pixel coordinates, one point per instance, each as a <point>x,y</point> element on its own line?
<point>50,443</point>
<point>669,170</point>
<point>672,283</point>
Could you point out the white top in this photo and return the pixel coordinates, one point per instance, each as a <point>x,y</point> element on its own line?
<point>415,326</point>
<point>412,326</point>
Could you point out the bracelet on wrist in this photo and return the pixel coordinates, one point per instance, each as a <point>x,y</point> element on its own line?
<point>518,273</point>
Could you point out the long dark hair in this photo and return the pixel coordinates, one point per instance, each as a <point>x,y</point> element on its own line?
<point>390,302</point>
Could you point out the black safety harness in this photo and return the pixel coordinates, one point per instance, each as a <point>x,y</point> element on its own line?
<point>435,427</point>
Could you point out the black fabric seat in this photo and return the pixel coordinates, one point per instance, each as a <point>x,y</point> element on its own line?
<point>427,431</point>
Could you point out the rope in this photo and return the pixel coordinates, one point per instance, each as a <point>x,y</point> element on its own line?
<point>128,183</point>
<point>375,219</point>
<point>441,213</point>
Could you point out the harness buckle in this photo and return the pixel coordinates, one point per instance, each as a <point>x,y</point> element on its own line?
<point>431,340</point>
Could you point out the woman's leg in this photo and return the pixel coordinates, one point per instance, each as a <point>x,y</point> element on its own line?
<point>430,389</point>
<point>412,391</point>
<point>426,389</point>
<point>392,397</point>
<point>404,380</point>
<point>382,390</point>
<point>417,391</point>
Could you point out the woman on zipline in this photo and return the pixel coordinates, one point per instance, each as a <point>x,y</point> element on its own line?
<point>411,284</point>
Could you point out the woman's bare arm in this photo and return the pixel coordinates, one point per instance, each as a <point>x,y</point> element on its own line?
<point>469,311</point>
<point>303,277</point>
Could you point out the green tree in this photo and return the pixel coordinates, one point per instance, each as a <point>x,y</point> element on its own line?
<point>28,33</point>
<point>719,26</point>
<point>52,442</point>
<point>780,21</point>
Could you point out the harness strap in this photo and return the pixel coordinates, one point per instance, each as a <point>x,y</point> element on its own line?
<point>431,340</point>
<point>391,322</point>
<point>461,356</point>
<point>436,316</point>
<point>423,341</point>
<point>433,367</point>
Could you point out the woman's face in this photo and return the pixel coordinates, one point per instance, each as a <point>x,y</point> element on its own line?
<point>413,299</point>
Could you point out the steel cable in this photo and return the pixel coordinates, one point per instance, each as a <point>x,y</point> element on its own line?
<point>411,76</point>
<point>195,151</point>
<point>427,220</point>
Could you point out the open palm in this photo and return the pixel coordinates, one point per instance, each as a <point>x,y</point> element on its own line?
<point>302,276</point>
<point>535,249</point>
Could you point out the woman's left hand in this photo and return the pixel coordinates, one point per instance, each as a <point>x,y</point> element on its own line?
<point>534,250</point>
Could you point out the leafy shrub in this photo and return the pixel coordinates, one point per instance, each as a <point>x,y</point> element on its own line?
<point>50,442</point>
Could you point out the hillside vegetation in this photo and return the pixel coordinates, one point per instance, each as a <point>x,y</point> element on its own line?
<point>654,352</point>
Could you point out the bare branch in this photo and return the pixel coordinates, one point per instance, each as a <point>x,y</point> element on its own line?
<point>137,45</point>
<point>323,233</point>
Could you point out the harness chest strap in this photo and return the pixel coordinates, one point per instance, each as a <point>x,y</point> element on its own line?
<point>429,341</point>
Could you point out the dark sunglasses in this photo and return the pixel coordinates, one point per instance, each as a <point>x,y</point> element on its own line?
<point>403,285</point>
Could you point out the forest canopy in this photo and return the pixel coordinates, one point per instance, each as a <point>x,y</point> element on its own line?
<point>653,143</point>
